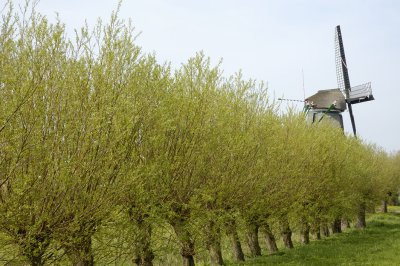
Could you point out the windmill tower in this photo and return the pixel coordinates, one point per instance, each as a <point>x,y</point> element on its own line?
<point>329,104</point>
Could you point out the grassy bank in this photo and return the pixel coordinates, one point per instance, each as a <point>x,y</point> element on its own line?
<point>379,244</point>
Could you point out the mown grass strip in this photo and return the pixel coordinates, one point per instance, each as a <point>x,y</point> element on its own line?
<point>379,244</point>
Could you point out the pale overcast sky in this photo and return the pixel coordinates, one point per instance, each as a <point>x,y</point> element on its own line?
<point>273,41</point>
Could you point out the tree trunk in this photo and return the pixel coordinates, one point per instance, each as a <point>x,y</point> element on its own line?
<point>144,253</point>
<point>215,254</point>
<point>317,235</point>
<point>78,259</point>
<point>286,235</point>
<point>361,223</point>
<point>337,226</point>
<point>187,259</point>
<point>186,241</point>
<point>269,239</point>
<point>315,230</point>
<point>384,208</point>
<point>214,243</point>
<point>81,253</point>
<point>34,244</point>
<point>236,245</point>
<point>144,260</point>
<point>35,258</point>
<point>305,234</point>
<point>252,240</point>
<point>345,223</point>
<point>33,248</point>
<point>78,243</point>
<point>142,246</point>
<point>325,230</point>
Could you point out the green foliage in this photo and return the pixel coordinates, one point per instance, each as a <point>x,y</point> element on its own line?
<point>107,156</point>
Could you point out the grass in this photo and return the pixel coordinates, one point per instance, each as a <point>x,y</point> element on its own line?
<point>378,244</point>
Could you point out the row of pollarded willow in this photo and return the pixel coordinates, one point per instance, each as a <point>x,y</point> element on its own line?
<point>97,138</point>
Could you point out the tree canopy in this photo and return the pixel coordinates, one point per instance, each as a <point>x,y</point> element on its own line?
<point>107,155</point>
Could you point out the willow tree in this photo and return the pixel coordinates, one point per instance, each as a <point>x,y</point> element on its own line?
<point>170,141</point>
<point>299,173</point>
<point>230,155</point>
<point>105,124</point>
<point>321,178</point>
<point>150,83</point>
<point>284,181</point>
<point>66,131</point>
<point>388,177</point>
<point>255,208</point>
<point>31,131</point>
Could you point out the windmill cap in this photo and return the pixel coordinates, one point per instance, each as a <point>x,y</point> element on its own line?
<point>323,99</point>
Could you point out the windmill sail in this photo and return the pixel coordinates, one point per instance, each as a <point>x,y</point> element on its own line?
<point>360,93</point>
<point>343,74</point>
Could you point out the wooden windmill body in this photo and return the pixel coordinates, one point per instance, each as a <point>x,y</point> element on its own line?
<point>320,107</point>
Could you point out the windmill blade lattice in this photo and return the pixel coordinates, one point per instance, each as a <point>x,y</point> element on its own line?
<point>360,93</point>
<point>342,73</point>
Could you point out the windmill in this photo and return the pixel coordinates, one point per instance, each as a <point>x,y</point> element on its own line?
<point>353,95</point>
<point>331,103</point>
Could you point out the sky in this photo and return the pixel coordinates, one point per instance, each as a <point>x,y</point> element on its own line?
<point>286,43</point>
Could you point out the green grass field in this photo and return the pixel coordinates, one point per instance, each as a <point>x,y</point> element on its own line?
<point>379,244</point>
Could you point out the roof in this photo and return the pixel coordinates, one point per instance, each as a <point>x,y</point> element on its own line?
<point>323,99</point>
